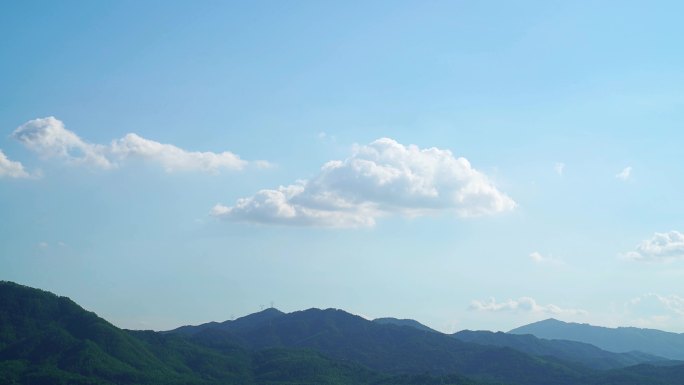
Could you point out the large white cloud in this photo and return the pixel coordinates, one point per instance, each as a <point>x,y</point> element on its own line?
<point>49,137</point>
<point>523,305</point>
<point>662,247</point>
<point>384,177</point>
<point>11,169</point>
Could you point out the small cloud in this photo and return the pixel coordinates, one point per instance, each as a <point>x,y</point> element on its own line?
<point>523,305</point>
<point>379,179</point>
<point>625,174</point>
<point>43,245</point>
<point>653,310</point>
<point>49,138</point>
<point>671,304</point>
<point>537,257</point>
<point>263,164</point>
<point>559,167</point>
<point>661,247</point>
<point>61,244</point>
<point>325,137</point>
<point>11,169</point>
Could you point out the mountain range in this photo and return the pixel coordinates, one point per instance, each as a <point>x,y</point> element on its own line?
<point>622,339</point>
<point>47,339</point>
<point>583,353</point>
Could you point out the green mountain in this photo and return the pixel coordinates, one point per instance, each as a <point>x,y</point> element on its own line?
<point>46,339</point>
<point>572,351</point>
<point>407,351</point>
<point>387,348</point>
<point>249,321</point>
<point>623,339</point>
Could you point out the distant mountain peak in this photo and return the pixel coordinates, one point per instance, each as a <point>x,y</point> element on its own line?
<point>269,310</point>
<point>404,322</point>
<point>583,353</point>
<point>550,321</point>
<point>619,340</point>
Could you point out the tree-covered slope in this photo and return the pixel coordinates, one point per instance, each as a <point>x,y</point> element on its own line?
<point>54,334</point>
<point>389,348</point>
<point>46,339</point>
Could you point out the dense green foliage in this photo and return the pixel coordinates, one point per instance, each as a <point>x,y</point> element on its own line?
<point>46,339</point>
<point>386,348</point>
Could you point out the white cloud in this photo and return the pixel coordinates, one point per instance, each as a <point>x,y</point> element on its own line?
<point>382,178</point>
<point>49,138</point>
<point>559,167</point>
<point>672,304</point>
<point>625,174</point>
<point>662,247</point>
<point>523,305</point>
<point>172,158</point>
<point>653,310</point>
<point>280,207</point>
<point>326,137</point>
<point>537,257</point>
<point>11,169</point>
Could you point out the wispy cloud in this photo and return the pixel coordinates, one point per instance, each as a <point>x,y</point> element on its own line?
<point>672,304</point>
<point>381,178</point>
<point>625,174</point>
<point>324,136</point>
<point>653,310</point>
<point>523,305</point>
<point>661,247</point>
<point>559,167</point>
<point>49,138</point>
<point>537,257</point>
<point>11,169</point>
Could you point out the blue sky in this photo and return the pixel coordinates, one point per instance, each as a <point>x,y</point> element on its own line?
<point>468,164</point>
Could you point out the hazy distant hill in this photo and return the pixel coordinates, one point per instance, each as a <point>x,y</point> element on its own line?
<point>398,349</point>
<point>573,351</point>
<point>404,322</point>
<point>623,339</point>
